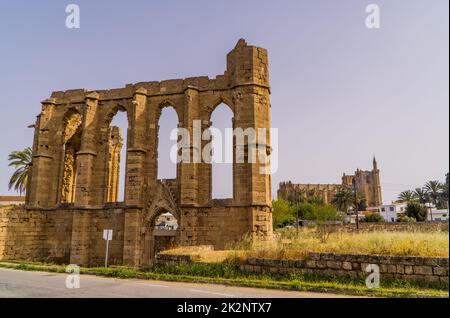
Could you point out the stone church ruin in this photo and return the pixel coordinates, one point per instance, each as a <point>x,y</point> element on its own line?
<point>73,187</point>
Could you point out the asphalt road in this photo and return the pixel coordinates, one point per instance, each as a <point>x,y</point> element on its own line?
<point>16,283</point>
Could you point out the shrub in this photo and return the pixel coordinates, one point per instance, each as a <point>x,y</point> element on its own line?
<point>406,219</point>
<point>322,214</point>
<point>373,217</point>
<point>417,211</point>
<point>283,213</point>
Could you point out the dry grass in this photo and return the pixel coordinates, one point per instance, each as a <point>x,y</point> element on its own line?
<point>287,245</point>
<point>204,254</point>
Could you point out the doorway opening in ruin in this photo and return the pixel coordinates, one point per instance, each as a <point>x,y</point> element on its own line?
<point>165,232</point>
<point>222,152</point>
<point>168,122</point>
<point>117,155</point>
<point>71,146</point>
<point>162,233</point>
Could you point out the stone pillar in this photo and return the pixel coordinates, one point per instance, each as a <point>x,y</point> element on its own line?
<point>43,159</point>
<point>136,153</point>
<point>132,237</point>
<point>81,238</point>
<point>248,67</point>
<point>85,195</point>
<point>115,146</point>
<point>188,178</point>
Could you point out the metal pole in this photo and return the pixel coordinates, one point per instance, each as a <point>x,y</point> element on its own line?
<point>356,205</point>
<point>107,251</point>
<point>296,207</point>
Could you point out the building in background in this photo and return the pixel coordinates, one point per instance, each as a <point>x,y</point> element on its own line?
<point>367,182</point>
<point>438,215</point>
<point>391,212</point>
<point>6,200</point>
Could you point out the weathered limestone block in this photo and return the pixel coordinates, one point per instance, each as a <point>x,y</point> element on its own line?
<point>423,270</point>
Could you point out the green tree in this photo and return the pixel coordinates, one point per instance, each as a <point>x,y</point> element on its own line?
<point>373,218</point>
<point>322,214</point>
<point>283,213</point>
<point>344,199</point>
<point>433,189</point>
<point>444,196</point>
<point>417,211</point>
<point>407,196</point>
<point>422,195</point>
<point>21,161</point>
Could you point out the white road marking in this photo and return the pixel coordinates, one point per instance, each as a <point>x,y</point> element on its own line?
<point>212,293</point>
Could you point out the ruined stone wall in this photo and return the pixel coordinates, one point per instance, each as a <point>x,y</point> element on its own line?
<point>35,235</point>
<point>99,220</point>
<point>75,170</point>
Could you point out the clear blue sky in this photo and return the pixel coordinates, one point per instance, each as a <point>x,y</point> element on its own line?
<point>340,92</point>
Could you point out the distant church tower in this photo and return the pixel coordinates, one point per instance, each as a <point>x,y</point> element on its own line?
<point>376,184</point>
<point>367,182</point>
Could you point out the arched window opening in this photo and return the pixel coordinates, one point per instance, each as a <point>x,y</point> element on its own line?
<point>167,168</point>
<point>117,154</point>
<point>71,146</point>
<point>222,152</point>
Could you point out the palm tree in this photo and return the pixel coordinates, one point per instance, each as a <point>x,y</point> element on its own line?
<point>21,161</point>
<point>407,196</point>
<point>433,189</point>
<point>343,200</point>
<point>421,195</point>
<point>444,196</point>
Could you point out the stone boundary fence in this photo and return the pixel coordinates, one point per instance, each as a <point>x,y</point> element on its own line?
<point>425,269</point>
<point>393,227</point>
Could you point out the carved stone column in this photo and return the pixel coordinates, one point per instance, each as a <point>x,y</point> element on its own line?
<point>84,195</point>
<point>43,160</point>
<point>136,153</point>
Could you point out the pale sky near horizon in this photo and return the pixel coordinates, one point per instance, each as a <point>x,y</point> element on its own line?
<point>341,93</point>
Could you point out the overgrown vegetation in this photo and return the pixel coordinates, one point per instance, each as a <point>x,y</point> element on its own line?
<point>314,210</point>
<point>288,245</point>
<point>373,218</point>
<point>416,211</point>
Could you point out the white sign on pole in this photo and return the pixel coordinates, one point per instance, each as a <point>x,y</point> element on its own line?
<point>107,236</point>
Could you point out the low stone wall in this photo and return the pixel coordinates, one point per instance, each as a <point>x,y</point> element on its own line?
<point>428,269</point>
<point>394,226</point>
<point>173,259</point>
